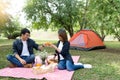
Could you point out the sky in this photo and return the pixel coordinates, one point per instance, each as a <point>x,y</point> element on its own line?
<point>15,6</point>
<point>15,9</point>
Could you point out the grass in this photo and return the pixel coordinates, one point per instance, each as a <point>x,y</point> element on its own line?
<point>106,65</point>
<point>5,42</point>
<point>113,44</point>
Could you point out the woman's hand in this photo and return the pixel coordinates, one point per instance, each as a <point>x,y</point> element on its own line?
<point>55,47</point>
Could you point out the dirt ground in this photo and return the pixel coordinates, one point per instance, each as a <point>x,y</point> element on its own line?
<point>111,50</point>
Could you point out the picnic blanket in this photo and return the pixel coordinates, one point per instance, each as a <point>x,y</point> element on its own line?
<point>28,74</point>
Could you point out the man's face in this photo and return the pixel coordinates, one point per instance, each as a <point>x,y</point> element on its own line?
<point>25,36</point>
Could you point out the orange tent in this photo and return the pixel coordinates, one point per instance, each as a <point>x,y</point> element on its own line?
<point>86,40</point>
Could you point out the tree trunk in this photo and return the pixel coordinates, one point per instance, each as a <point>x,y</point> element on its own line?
<point>103,37</point>
<point>83,24</point>
<point>119,39</point>
<point>70,31</point>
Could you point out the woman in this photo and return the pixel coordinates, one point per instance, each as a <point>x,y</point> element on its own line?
<point>65,60</point>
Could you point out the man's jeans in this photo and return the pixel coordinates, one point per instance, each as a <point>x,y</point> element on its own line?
<point>14,60</point>
<point>66,64</point>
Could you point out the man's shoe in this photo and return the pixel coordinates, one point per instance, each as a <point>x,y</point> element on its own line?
<point>28,66</point>
<point>11,65</point>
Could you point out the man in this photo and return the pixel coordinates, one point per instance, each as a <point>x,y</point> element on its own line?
<point>23,50</point>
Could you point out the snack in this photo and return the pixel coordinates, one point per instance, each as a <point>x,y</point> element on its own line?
<point>44,69</point>
<point>50,61</point>
<point>48,43</point>
<point>38,65</point>
<point>38,61</point>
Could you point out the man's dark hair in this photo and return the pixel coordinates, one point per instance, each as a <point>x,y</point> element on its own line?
<point>24,31</point>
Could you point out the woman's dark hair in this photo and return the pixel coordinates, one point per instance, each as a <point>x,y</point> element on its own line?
<point>24,31</point>
<point>62,33</point>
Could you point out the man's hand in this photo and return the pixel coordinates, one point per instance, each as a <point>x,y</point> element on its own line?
<point>20,59</point>
<point>23,61</point>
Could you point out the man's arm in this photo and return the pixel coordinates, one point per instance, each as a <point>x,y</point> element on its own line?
<point>20,59</point>
<point>41,47</point>
<point>37,47</point>
<point>16,53</point>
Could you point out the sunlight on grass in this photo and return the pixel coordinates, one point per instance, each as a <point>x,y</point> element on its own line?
<point>6,42</point>
<point>116,66</point>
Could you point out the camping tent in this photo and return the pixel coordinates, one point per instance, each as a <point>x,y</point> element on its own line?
<point>86,40</point>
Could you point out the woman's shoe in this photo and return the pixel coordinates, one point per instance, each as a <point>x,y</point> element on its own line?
<point>87,65</point>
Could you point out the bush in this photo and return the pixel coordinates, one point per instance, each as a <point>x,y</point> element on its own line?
<point>14,35</point>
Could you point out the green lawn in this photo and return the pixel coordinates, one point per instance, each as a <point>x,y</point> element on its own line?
<point>5,42</point>
<point>106,64</point>
<point>112,44</point>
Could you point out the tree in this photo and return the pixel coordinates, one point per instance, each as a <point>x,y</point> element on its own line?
<point>115,18</point>
<point>11,29</point>
<point>9,26</point>
<point>101,17</point>
<point>54,14</point>
<point>3,15</point>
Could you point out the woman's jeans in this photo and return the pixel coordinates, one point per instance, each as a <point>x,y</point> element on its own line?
<point>67,64</point>
<point>14,60</point>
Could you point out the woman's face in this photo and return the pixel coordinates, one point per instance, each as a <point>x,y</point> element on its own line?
<point>60,38</point>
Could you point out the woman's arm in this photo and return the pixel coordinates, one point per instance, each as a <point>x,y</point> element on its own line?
<point>55,47</point>
<point>64,50</point>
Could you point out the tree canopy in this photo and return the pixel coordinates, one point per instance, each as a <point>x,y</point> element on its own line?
<point>53,14</point>
<point>102,16</point>
<point>12,28</point>
<point>4,16</point>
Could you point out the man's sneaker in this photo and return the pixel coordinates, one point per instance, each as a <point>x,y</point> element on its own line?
<point>28,66</point>
<point>11,65</point>
<point>87,65</point>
